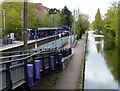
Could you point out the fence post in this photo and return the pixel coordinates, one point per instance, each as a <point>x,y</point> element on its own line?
<point>55,60</point>
<point>66,53</point>
<point>8,78</point>
<point>25,70</point>
<point>60,58</point>
<point>37,68</point>
<point>70,51</point>
<point>34,70</point>
<point>30,74</point>
<point>43,64</point>
<point>52,63</point>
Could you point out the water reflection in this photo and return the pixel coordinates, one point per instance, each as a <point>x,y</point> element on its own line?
<point>111,57</point>
<point>101,63</point>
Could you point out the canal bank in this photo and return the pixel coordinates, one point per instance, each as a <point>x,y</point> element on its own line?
<point>72,76</point>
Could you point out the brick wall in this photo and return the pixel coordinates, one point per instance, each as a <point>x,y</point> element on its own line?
<point>41,10</point>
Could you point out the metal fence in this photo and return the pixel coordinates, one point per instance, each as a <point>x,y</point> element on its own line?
<point>46,47</point>
<point>14,72</point>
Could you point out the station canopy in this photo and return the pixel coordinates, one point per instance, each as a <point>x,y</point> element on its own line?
<point>45,29</point>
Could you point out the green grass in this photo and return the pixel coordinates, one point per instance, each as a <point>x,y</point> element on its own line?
<point>54,80</point>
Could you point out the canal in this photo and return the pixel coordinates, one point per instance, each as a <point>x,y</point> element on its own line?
<point>101,68</point>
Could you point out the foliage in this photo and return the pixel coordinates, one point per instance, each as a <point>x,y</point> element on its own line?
<point>55,17</point>
<point>112,61</point>
<point>91,26</point>
<point>66,16</point>
<point>53,20</point>
<point>111,23</point>
<point>14,17</point>
<point>53,81</point>
<point>12,21</point>
<point>32,16</point>
<point>82,24</point>
<point>98,23</point>
<point>54,11</point>
<point>111,29</point>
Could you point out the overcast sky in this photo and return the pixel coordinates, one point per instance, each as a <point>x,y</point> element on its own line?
<point>85,6</point>
<point>89,7</point>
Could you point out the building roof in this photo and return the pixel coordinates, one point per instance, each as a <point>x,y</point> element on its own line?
<point>54,28</point>
<point>47,28</point>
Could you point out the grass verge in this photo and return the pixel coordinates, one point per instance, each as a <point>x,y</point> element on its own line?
<point>53,80</point>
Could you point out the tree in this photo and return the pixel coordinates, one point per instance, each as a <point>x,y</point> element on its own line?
<point>111,21</point>
<point>82,24</point>
<point>67,17</point>
<point>54,11</point>
<point>98,23</point>
<point>13,16</point>
<point>32,16</point>
<point>56,17</point>
<point>53,20</point>
<point>12,21</point>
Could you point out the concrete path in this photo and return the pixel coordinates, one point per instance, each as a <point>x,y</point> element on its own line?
<point>70,75</point>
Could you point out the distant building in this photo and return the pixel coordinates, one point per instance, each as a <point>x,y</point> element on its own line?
<point>41,10</point>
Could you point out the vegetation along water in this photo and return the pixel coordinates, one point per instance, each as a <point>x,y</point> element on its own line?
<point>101,70</point>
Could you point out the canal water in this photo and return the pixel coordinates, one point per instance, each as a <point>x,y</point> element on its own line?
<point>101,68</point>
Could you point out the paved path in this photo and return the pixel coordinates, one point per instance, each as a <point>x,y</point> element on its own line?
<point>70,75</point>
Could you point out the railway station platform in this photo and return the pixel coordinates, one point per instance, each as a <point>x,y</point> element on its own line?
<point>17,44</point>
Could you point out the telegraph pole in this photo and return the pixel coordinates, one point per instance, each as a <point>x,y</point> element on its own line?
<point>25,33</point>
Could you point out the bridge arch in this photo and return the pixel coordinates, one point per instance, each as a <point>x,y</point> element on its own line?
<point>63,26</point>
<point>69,30</point>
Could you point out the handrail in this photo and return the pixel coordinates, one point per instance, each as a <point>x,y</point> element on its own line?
<point>11,66</point>
<point>25,54</point>
<point>21,51</point>
<point>14,56</point>
<point>26,57</point>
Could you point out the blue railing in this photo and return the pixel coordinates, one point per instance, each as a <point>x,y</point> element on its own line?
<point>46,47</point>
<point>15,72</point>
<point>14,68</point>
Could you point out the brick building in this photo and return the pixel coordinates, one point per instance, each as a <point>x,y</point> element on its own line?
<point>41,10</point>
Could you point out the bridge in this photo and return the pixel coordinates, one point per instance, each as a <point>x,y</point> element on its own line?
<point>22,67</point>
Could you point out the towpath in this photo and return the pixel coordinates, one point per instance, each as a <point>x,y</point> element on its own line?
<point>69,77</point>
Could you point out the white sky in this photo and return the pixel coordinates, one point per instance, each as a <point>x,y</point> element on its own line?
<point>89,7</point>
<point>85,6</point>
